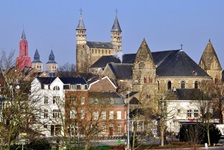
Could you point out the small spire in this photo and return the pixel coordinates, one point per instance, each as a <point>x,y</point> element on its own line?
<point>23,37</point>
<point>116,25</point>
<point>80,11</point>
<point>181,46</point>
<point>209,41</point>
<point>36,56</point>
<point>116,11</point>
<point>81,23</point>
<point>51,58</point>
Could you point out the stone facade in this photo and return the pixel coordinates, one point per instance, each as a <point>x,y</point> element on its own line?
<point>89,52</point>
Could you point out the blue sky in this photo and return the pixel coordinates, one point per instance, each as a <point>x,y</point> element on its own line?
<point>165,24</point>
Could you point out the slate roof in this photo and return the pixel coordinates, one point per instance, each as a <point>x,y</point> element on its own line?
<point>105,96</point>
<point>104,60</point>
<point>104,45</point>
<point>46,80</point>
<point>179,64</point>
<point>187,94</point>
<point>116,25</point>
<point>121,71</point>
<point>51,58</point>
<point>23,37</point>
<point>172,63</point>
<point>128,58</point>
<point>36,58</point>
<point>70,80</point>
<point>81,24</point>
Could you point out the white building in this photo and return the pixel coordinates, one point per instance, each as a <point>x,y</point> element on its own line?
<point>48,95</point>
<point>186,108</point>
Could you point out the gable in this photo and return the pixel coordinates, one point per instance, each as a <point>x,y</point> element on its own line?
<point>102,84</point>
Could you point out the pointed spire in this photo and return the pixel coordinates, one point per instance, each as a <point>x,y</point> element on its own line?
<point>81,22</point>
<point>209,56</point>
<point>23,37</point>
<point>144,52</point>
<point>116,25</point>
<point>51,58</point>
<point>36,56</point>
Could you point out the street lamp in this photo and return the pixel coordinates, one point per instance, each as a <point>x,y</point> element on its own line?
<point>128,125</point>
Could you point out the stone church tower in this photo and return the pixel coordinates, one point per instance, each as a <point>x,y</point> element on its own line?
<point>51,66</point>
<point>36,63</point>
<point>88,52</point>
<point>144,73</point>
<point>210,63</point>
<point>116,38</point>
<point>81,54</point>
<point>23,60</point>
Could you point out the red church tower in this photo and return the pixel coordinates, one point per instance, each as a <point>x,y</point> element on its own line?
<point>23,60</point>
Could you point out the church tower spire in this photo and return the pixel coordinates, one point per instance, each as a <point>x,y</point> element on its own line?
<point>116,38</point>
<point>36,63</point>
<point>81,54</point>
<point>210,63</point>
<point>23,60</point>
<point>144,74</point>
<point>81,31</point>
<point>51,66</point>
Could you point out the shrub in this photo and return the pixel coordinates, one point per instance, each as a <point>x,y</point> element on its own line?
<point>197,133</point>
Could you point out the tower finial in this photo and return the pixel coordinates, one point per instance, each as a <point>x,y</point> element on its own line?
<point>181,46</point>
<point>80,11</point>
<point>116,11</point>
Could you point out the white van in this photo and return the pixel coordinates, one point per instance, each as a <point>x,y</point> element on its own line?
<point>221,129</point>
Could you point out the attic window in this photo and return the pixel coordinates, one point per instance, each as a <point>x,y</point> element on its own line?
<point>56,88</point>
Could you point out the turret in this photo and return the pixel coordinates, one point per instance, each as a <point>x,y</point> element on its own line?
<point>51,66</point>
<point>36,63</point>
<point>116,38</point>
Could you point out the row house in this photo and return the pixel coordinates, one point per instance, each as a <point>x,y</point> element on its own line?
<point>73,107</point>
<point>100,112</point>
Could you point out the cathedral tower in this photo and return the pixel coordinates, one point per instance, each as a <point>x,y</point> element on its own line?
<point>210,63</point>
<point>23,60</point>
<point>36,63</point>
<point>81,55</point>
<point>52,66</point>
<point>116,38</point>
